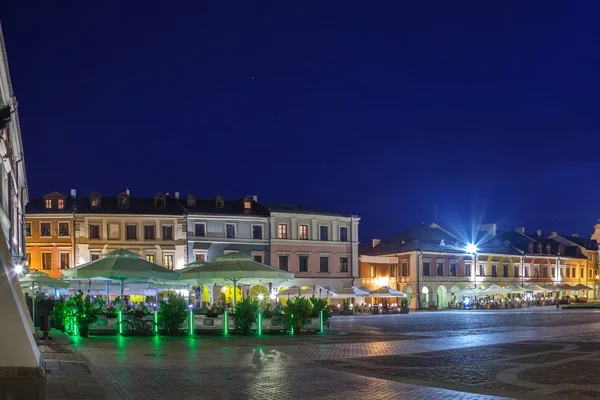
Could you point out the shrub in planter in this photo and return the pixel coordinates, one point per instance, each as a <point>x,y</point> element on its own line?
<point>268,313</point>
<point>319,305</point>
<point>85,311</point>
<point>110,311</point>
<point>297,314</point>
<point>59,315</point>
<point>246,314</point>
<point>404,306</point>
<point>173,312</point>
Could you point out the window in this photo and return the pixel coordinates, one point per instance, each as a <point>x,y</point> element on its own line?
<point>516,271</point>
<point>45,229</point>
<point>46,261</point>
<point>124,202</point>
<point>595,272</point>
<point>282,231</point>
<point>405,271</point>
<point>481,270</point>
<point>568,272</point>
<point>230,229</point>
<point>200,230</point>
<point>63,229</point>
<point>452,269</point>
<point>545,272</point>
<point>159,202</point>
<point>258,258</point>
<point>283,263</point>
<point>191,200</point>
<point>48,203</point>
<point>553,272</point>
<point>392,270</point>
<point>64,261</point>
<point>168,261</point>
<point>590,273</point>
<point>27,259</point>
<point>150,258</point>
<point>95,202</point>
<point>343,234</point>
<point>94,231</point>
<point>200,257</point>
<point>28,229</point>
<point>61,204</point>
<point>344,264</point>
<point>573,272</point>
<point>562,272</point>
<point>303,232</point>
<point>257,232</point>
<point>324,264</point>
<point>494,271</point>
<point>426,267</point>
<point>527,271</point>
<point>440,269</point>
<point>467,269</point>
<point>505,268</point>
<point>113,231</point>
<point>131,232</point>
<point>373,271</point>
<point>302,263</point>
<point>324,232</point>
<point>149,232</point>
<point>167,232</point>
<point>582,273</point>
<point>95,256</point>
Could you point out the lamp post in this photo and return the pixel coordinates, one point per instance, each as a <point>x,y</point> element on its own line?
<point>596,286</point>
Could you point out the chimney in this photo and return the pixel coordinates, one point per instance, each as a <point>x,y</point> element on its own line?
<point>520,230</point>
<point>73,193</point>
<point>127,191</point>
<point>538,232</point>
<point>554,234</point>
<point>489,228</point>
<point>575,235</point>
<point>376,242</point>
<point>177,195</point>
<point>255,198</point>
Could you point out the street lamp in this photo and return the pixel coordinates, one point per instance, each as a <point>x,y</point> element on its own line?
<point>596,285</point>
<point>472,249</point>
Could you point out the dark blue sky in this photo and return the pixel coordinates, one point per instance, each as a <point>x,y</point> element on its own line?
<point>486,110</point>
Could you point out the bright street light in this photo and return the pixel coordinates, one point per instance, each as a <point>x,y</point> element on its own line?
<point>19,268</point>
<point>471,248</point>
<point>260,297</point>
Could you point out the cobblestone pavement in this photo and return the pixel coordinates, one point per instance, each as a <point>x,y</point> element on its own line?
<point>356,365</point>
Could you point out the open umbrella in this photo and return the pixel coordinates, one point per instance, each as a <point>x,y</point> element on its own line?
<point>532,287</point>
<point>237,269</point>
<point>120,265</point>
<point>351,292</point>
<point>581,286</point>
<point>296,291</point>
<point>551,288</point>
<point>386,291</point>
<point>41,279</point>
<point>494,289</point>
<point>515,289</point>
<point>566,286</point>
<point>471,291</point>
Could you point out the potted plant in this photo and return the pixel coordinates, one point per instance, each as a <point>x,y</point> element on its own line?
<point>404,306</point>
<point>319,305</point>
<point>85,311</point>
<point>297,314</point>
<point>58,315</point>
<point>173,312</point>
<point>246,314</point>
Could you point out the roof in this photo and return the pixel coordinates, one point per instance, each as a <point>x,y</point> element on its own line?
<point>295,209</point>
<point>37,205</point>
<point>230,207</point>
<point>431,239</point>
<point>521,242</point>
<point>137,205</point>
<point>588,244</point>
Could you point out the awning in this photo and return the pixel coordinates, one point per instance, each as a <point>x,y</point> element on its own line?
<point>201,246</point>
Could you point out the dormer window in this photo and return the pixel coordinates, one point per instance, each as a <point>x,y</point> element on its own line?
<point>219,202</point>
<point>123,200</point>
<point>539,248</point>
<point>531,247</point>
<point>548,248</point>
<point>48,203</point>
<point>191,200</point>
<point>247,203</point>
<point>443,242</point>
<point>160,201</point>
<point>561,249</point>
<point>61,204</point>
<point>95,200</point>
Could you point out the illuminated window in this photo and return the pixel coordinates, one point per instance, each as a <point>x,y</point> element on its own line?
<point>168,261</point>
<point>150,258</point>
<point>65,261</point>
<point>303,232</point>
<point>63,229</point>
<point>282,231</point>
<point>405,271</point>
<point>48,203</point>
<point>344,264</point>
<point>392,268</point>
<point>373,271</point>
<point>283,263</point>
<point>113,232</point>
<point>45,229</point>
<point>94,231</point>
<point>46,261</point>
<point>61,203</point>
<point>28,259</point>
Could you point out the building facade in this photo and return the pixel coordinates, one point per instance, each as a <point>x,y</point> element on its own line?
<point>320,248</point>
<point>152,227</point>
<point>432,265</point>
<point>49,226</point>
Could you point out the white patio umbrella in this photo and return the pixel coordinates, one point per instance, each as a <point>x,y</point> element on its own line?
<point>40,279</point>
<point>494,289</point>
<point>516,289</point>
<point>386,291</point>
<point>470,292</point>
<point>532,287</point>
<point>120,265</point>
<point>316,290</point>
<point>234,268</point>
<point>351,292</point>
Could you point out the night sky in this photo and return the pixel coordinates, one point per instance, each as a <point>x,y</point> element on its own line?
<point>486,110</point>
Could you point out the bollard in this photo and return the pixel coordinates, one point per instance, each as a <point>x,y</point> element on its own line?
<point>260,323</point>
<point>119,320</point>
<point>225,324</point>
<point>156,321</point>
<point>191,322</point>
<point>321,321</point>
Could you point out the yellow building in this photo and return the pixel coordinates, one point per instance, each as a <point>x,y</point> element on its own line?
<point>49,234</point>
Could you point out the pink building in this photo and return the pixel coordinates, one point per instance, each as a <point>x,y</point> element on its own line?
<point>320,248</point>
